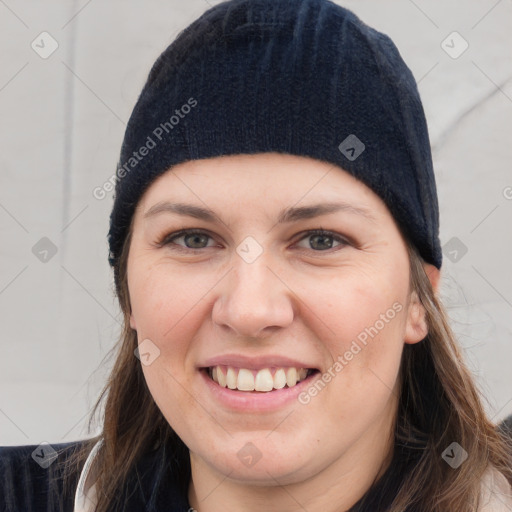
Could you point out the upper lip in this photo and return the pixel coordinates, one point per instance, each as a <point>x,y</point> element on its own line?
<point>254,363</point>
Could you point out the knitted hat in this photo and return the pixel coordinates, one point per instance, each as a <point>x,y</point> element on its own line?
<point>303,77</point>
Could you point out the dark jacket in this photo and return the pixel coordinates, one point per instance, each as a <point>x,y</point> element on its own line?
<point>152,486</point>
<point>26,486</point>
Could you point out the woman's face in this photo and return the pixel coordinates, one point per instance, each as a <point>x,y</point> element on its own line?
<point>257,296</point>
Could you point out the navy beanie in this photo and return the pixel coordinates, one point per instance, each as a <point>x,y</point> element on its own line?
<point>303,77</point>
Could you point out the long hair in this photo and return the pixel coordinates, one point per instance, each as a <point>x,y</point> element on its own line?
<point>439,404</point>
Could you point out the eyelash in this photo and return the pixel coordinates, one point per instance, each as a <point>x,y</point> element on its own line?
<point>167,239</point>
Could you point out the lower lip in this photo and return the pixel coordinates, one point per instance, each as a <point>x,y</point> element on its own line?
<point>255,401</point>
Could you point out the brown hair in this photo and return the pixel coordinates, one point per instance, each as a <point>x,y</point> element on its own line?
<point>439,404</point>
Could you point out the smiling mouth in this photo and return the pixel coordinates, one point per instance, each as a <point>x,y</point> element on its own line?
<point>264,380</point>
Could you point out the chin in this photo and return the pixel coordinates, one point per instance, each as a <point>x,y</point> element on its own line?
<point>260,462</point>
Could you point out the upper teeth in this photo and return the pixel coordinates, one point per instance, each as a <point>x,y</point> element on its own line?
<point>253,380</point>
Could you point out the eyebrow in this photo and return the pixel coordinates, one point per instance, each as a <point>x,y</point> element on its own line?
<point>286,216</point>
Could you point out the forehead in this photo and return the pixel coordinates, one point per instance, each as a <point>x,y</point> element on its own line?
<point>265,181</point>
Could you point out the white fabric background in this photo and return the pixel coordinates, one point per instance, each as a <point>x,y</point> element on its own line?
<point>62,120</point>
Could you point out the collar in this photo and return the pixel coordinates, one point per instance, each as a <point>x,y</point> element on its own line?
<point>161,494</point>
<point>85,501</point>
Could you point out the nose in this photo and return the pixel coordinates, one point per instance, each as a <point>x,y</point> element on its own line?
<point>254,299</point>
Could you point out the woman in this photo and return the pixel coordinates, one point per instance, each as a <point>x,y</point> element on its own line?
<point>275,247</point>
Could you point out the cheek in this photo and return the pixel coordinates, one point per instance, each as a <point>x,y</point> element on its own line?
<point>160,300</point>
<point>362,322</point>
<point>169,309</point>
<point>360,308</point>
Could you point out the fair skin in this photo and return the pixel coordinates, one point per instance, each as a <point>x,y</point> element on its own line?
<point>302,301</point>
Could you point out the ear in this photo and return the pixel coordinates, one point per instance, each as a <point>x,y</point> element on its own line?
<point>416,328</point>
<point>434,275</point>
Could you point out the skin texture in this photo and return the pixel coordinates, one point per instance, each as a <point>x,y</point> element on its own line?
<point>300,298</point>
